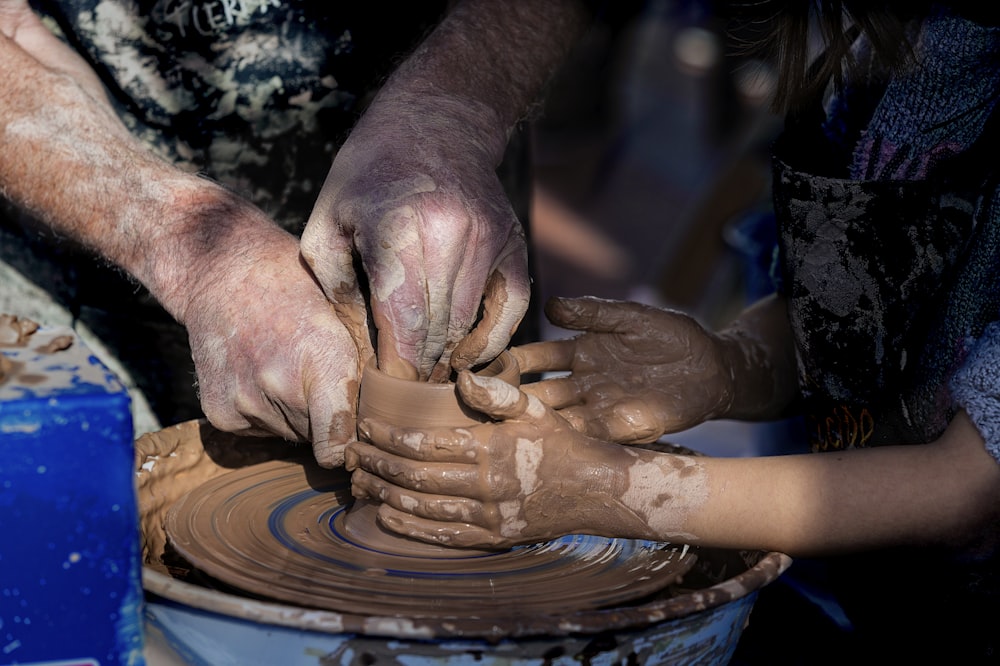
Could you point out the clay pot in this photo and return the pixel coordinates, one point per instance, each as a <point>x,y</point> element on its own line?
<point>423,404</point>
<point>419,405</point>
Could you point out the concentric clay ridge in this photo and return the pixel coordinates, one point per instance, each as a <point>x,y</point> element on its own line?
<point>276,530</point>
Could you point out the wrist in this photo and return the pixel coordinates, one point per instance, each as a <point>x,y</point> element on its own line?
<point>470,129</point>
<point>735,367</point>
<point>498,54</point>
<point>662,491</point>
<point>207,235</point>
<point>757,387</point>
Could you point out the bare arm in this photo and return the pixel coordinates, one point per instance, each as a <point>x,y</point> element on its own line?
<point>272,356</point>
<point>495,54</point>
<point>68,159</point>
<point>414,188</point>
<point>532,477</point>
<point>946,493</point>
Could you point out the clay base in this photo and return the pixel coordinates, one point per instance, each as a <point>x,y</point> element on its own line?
<point>277,530</point>
<point>360,525</point>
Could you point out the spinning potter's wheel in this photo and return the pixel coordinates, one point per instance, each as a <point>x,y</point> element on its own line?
<point>282,530</point>
<point>697,621</point>
<point>289,530</point>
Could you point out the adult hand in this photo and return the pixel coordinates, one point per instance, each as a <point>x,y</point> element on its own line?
<point>528,478</point>
<point>636,373</point>
<point>272,355</point>
<point>415,193</point>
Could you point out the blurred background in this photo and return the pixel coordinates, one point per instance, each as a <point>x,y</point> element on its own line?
<point>651,183</point>
<point>650,155</point>
<point>652,178</point>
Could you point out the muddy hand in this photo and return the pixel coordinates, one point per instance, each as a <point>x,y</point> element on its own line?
<point>272,356</point>
<point>439,243</point>
<point>527,478</point>
<point>636,372</point>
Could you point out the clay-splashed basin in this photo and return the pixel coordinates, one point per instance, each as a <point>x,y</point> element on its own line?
<point>695,620</point>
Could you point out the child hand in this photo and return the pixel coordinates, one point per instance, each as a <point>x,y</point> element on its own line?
<point>527,478</point>
<point>636,372</point>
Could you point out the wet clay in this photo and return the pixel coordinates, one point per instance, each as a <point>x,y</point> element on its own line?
<point>19,332</point>
<point>424,404</point>
<point>275,530</point>
<point>292,531</point>
<point>15,331</point>
<point>420,405</point>
<point>180,459</point>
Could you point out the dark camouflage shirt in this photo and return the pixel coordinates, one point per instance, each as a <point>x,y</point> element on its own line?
<point>256,94</point>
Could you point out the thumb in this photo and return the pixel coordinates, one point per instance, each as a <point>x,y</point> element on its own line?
<point>505,300</point>
<point>329,255</point>
<point>503,402</point>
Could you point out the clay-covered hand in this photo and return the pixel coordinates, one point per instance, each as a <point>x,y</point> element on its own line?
<point>528,478</point>
<point>415,193</point>
<point>272,355</point>
<point>635,373</point>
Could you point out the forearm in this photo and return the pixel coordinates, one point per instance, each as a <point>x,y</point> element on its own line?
<point>942,494</point>
<point>760,355</point>
<point>491,60</point>
<point>66,158</point>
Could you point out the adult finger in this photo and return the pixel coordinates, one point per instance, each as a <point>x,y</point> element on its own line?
<point>505,300</point>
<point>329,255</point>
<point>400,296</point>
<point>332,416</point>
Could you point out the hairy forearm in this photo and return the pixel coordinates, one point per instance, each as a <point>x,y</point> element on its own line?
<point>67,159</point>
<point>760,354</point>
<point>492,58</point>
<point>499,53</point>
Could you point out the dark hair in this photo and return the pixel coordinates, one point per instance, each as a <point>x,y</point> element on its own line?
<point>789,27</point>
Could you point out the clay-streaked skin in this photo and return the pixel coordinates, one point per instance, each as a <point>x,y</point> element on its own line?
<point>276,349</point>
<point>272,354</point>
<point>637,372</point>
<point>414,190</point>
<point>522,481</point>
<point>515,480</point>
